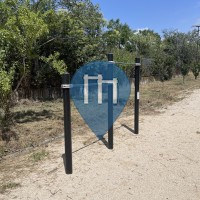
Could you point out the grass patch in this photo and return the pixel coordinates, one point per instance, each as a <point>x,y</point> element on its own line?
<point>9,186</point>
<point>38,156</point>
<point>156,95</point>
<point>2,151</point>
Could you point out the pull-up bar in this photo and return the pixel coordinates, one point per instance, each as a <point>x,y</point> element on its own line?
<point>67,110</point>
<point>123,63</point>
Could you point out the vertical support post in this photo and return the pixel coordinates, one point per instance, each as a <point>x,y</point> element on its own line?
<point>137,94</point>
<point>67,122</point>
<point>110,103</point>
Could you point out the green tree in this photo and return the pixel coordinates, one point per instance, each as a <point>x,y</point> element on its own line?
<point>117,34</point>
<point>83,41</point>
<point>184,71</point>
<point>194,40</point>
<point>180,46</point>
<point>195,68</point>
<point>163,64</point>
<point>144,42</point>
<point>25,28</point>
<point>6,83</point>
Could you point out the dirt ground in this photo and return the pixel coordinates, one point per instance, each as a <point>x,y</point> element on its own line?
<point>162,162</point>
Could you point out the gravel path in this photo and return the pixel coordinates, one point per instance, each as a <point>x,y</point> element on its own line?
<point>162,162</point>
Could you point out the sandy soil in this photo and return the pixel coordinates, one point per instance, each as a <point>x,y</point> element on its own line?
<point>162,162</point>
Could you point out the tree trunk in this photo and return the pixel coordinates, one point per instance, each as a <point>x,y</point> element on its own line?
<point>23,76</point>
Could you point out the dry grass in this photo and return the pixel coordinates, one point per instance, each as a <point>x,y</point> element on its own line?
<point>36,122</point>
<point>157,95</point>
<point>14,167</point>
<point>8,186</point>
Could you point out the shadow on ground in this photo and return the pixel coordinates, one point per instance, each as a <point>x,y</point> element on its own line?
<point>31,116</point>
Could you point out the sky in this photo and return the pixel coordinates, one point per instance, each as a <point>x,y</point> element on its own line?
<point>156,15</point>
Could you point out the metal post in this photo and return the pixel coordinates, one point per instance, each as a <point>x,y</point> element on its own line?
<point>137,94</point>
<point>110,104</point>
<point>67,122</point>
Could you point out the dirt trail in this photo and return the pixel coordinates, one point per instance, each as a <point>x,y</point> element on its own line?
<point>162,162</point>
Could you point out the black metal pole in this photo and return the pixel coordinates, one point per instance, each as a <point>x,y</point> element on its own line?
<point>110,103</point>
<point>137,94</point>
<point>67,122</point>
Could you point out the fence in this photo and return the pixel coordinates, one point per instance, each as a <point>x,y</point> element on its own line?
<point>40,93</point>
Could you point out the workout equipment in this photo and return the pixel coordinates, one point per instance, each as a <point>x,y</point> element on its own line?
<point>110,86</point>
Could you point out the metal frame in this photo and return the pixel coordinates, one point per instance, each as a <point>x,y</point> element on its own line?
<point>67,111</point>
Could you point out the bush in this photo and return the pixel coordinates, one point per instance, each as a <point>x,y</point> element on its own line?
<point>6,82</point>
<point>195,69</point>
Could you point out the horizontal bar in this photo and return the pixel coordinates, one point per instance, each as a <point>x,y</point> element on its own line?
<point>66,86</point>
<point>91,77</point>
<point>125,63</point>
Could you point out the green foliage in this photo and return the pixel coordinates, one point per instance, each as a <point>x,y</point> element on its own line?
<point>145,42</point>
<point>184,71</point>
<point>159,69</point>
<point>162,66</point>
<point>38,156</point>
<point>123,56</point>
<point>6,82</point>
<point>55,63</point>
<point>71,33</point>
<point>25,27</point>
<point>181,47</point>
<point>22,30</point>
<point>195,69</point>
<point>117,34</point>
<point>6,75</point>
